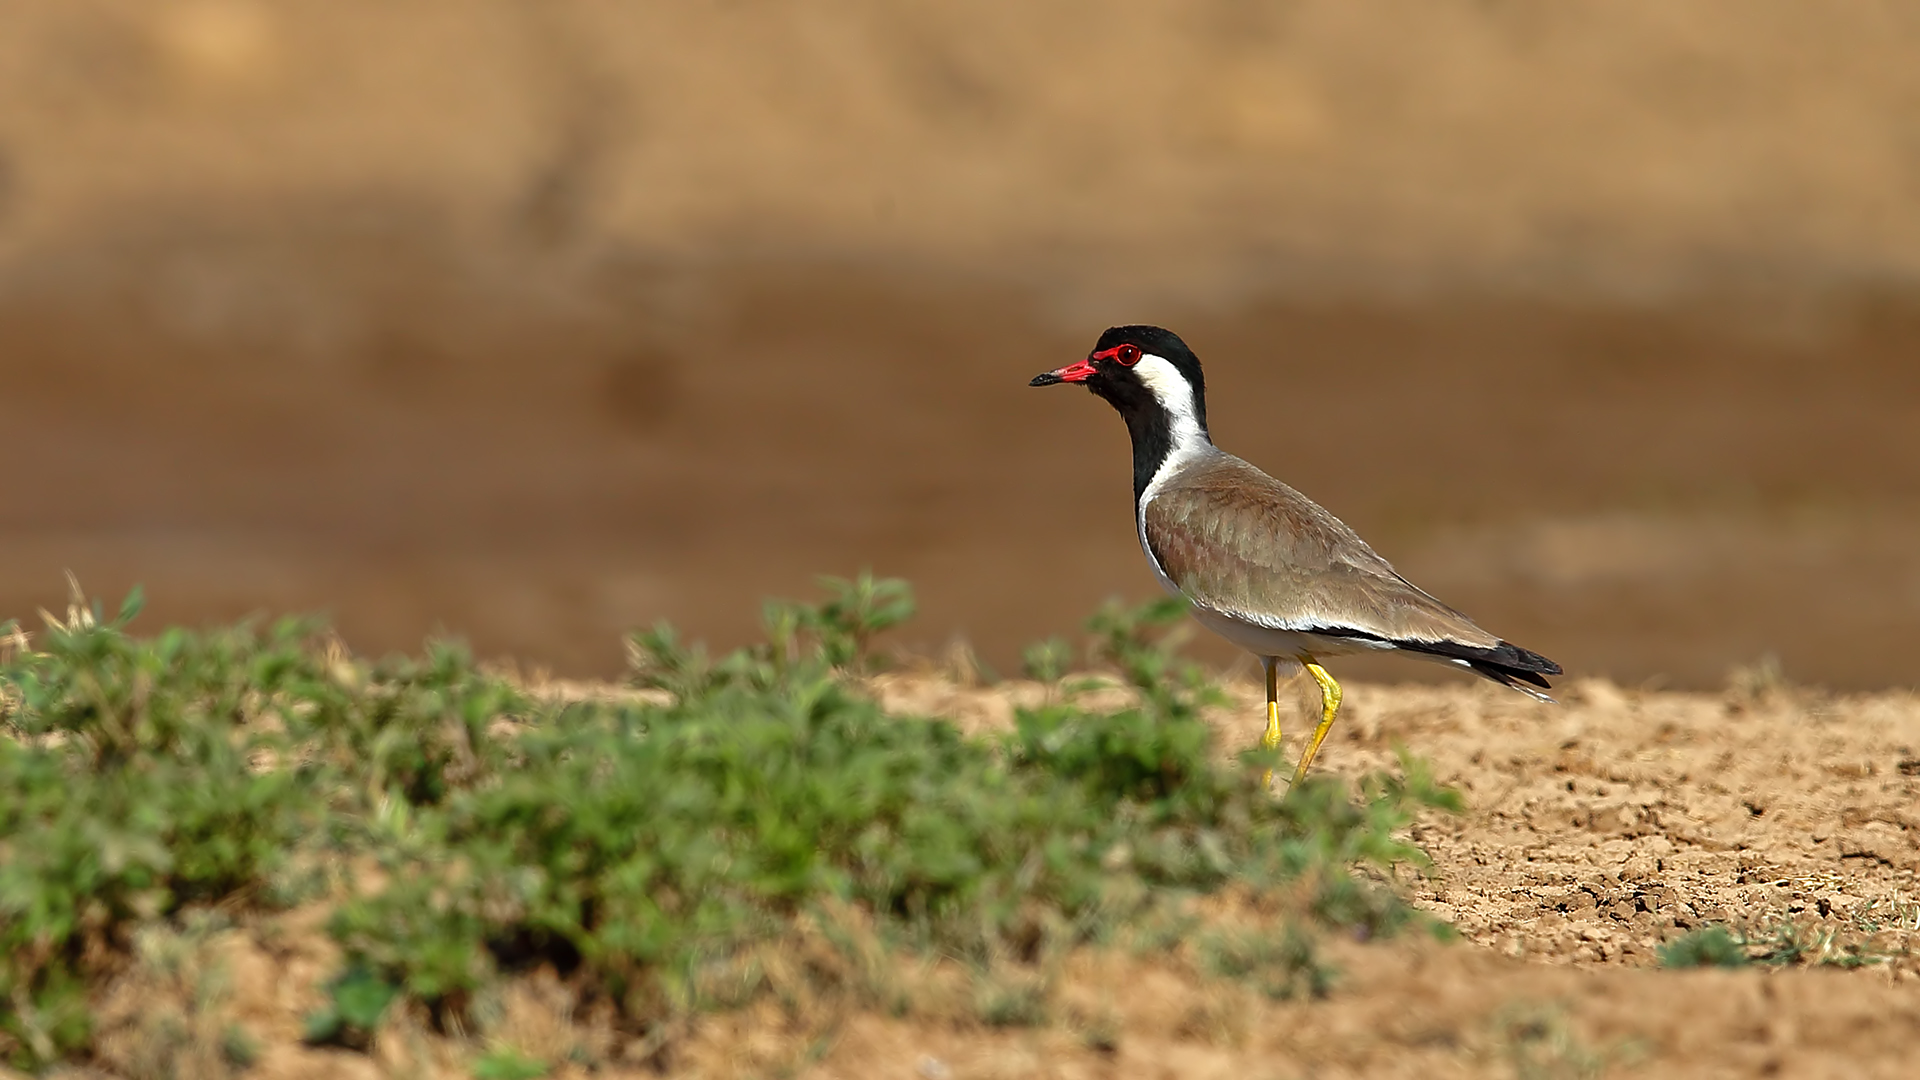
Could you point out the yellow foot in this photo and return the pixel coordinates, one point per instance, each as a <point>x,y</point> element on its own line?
<point>1271,740</point>
<point>1329,706</point>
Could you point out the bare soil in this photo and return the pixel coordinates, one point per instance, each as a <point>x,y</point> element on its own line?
<point>1593,832</point>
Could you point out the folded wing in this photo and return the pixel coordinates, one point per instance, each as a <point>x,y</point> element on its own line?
<point>1248,546</point>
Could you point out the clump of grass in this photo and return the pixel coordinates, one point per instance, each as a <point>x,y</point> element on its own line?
<point>130,794</point>
<point>1788,943</point>
<point>638,845</point>
<point>146,776</point>
<point>170,1012</point>
<point>1539,1044</point>
<point>1895,912</point>
<point>1781,944</point>
<point>1708,946</point>
<point>357,1000</point>
<point>508,1064</point>
<point>657,853</point>
<point>1761,681</point>
<point>1011,998</point>
<point>1281,965</point>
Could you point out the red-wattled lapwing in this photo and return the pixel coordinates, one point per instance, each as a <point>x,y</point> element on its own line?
<point>1263,565</point>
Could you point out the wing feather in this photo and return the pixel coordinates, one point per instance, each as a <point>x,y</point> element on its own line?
<point>1248,546</point>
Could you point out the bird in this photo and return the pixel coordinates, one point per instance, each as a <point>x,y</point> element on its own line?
<point>1260,564</point>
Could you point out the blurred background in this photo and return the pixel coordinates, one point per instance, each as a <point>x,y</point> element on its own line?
<point>537,320</point>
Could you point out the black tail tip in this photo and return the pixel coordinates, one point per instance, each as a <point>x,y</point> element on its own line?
<point>1510,665</point>
<point>1528,660</point>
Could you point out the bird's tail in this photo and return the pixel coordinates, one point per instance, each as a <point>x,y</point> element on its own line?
<point>1506,663</point>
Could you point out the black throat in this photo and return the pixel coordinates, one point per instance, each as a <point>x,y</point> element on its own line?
<point>1148,425</point>
<point>1118,381</point>
<point>1152,434</point>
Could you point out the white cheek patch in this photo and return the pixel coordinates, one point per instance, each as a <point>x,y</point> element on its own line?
<point>1173,393</point>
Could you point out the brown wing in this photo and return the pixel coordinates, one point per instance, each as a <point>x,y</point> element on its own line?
<point>1242,543</point>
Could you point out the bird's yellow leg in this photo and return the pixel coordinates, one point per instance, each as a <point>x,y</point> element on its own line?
<point>1329,705</point>
<point>1271,740</point>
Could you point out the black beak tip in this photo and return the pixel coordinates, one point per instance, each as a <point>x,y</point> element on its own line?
<point>1045,378</point>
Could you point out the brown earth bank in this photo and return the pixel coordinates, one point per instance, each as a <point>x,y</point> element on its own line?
<point>362,419</point>
<point>1592,832</point>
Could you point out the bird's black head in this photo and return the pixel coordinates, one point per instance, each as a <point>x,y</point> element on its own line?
<point>1139,367</point>
<point>1153,380</point>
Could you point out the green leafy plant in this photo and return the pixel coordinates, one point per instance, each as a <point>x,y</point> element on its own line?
<point>1788,943</point>
<point>1540,1044</point>
<point>132,792</point>
<point>1281,965</point>
<point>658,849</point>
<point>357,1000</point>
<point>1046,661</point>
<point>508,1064</point>
<point>1779,944</point>
<point>1708,946</point>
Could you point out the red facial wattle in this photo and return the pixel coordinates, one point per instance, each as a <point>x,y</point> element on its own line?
<point>1081,371</point>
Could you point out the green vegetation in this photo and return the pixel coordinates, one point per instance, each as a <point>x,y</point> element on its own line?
<point>1539,1044</point>
<point>656,848</point>
<point>1709,946</point>
<point>1780,944</point>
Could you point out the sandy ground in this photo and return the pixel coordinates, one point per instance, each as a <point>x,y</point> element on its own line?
<point>1599,827</point>
<point>1593,831</point>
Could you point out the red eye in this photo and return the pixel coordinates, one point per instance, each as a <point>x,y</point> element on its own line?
<point>1128,355</point>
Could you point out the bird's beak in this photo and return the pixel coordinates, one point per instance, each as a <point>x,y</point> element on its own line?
<point>1080,371</point>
